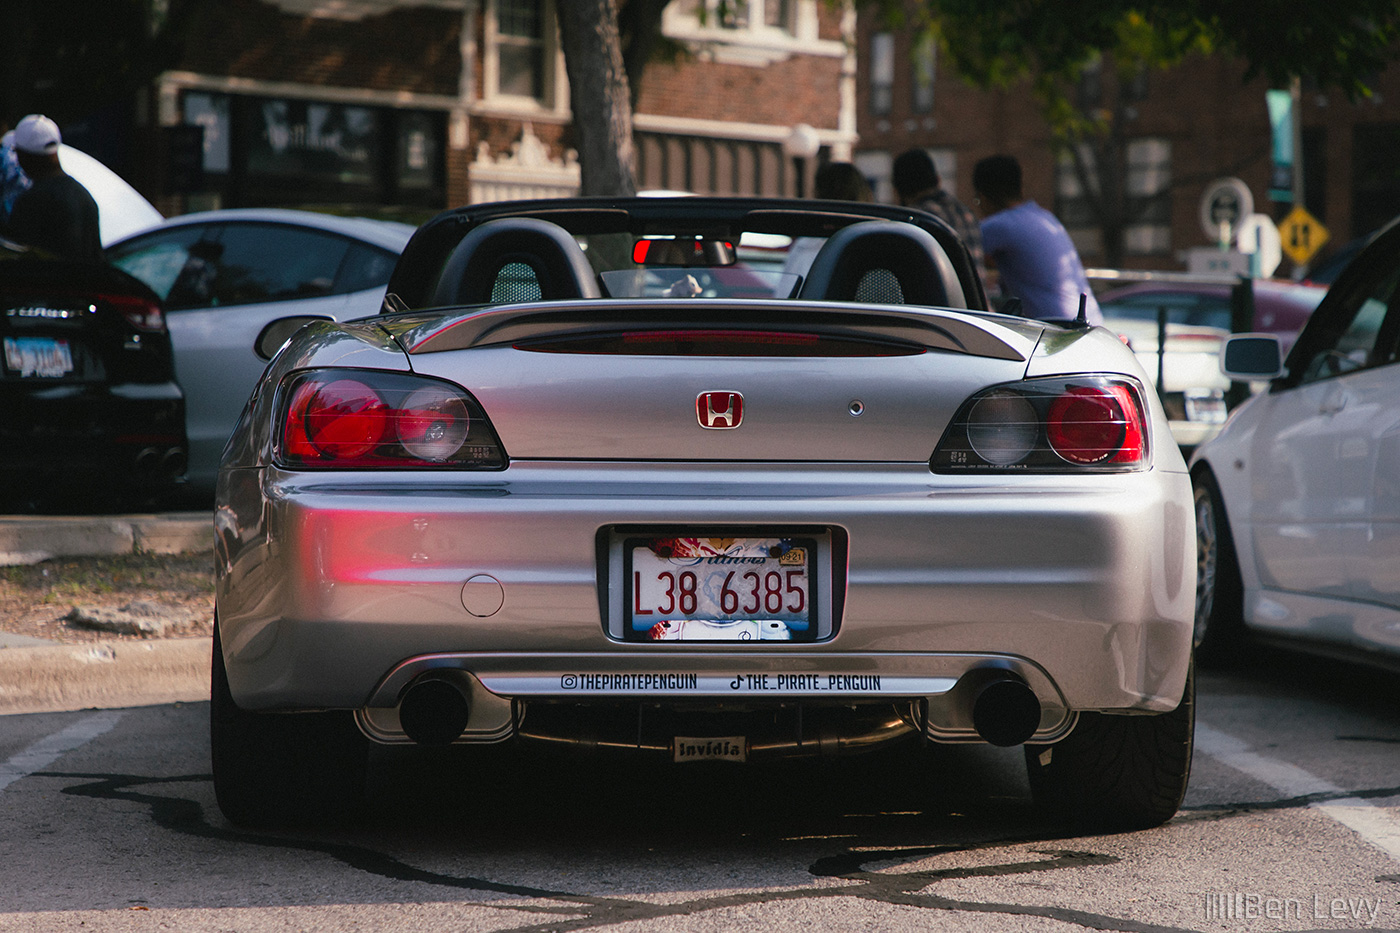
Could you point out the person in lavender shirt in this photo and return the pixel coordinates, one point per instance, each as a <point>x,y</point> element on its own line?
<point>1028,248</point>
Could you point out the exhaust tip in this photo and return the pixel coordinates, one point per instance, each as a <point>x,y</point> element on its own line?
<point>147,462</point>
<point>433,712</point>
<point>174,462</point>
<point>1005,711</point>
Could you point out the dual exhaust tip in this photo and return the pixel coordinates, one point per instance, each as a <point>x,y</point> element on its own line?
<point>161,463</point>
<point>1005,710</point>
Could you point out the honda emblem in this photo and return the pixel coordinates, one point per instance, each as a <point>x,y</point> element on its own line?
<point>719,411</point>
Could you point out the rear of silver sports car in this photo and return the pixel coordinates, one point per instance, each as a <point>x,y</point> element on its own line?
<point>706,543</point>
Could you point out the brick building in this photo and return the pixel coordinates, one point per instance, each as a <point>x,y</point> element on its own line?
<point>1180,130</point>
<point>410,106</point>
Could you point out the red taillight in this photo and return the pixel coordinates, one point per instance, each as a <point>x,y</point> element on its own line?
<point>363,419</point>
<point>1095,424</point>
<point>336,421</point>
<point>139,313</point>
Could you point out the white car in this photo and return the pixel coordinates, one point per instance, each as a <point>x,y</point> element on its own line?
<point>1298,498</point>
<point>225,275</point>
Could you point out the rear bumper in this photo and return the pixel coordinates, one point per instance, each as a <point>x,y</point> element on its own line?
<point>127,434</point>
<point>336,591</point>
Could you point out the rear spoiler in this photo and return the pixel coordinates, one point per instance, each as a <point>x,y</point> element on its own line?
<point>950,331</point>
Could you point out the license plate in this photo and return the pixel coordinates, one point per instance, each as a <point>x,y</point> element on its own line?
<point>728,748</point>
<point>43,357</point>
<point>734,589</point>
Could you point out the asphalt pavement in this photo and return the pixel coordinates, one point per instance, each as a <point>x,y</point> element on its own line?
<point>36,676</point>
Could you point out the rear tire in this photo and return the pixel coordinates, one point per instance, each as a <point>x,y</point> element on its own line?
<point>275,769</point>
<point>1116,773</point>
<point>1219,626</point>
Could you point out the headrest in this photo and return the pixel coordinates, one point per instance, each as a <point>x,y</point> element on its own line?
<point>524,249</point>
<point>886,262</point>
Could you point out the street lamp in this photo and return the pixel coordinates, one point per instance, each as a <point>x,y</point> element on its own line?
<point>801,144</point>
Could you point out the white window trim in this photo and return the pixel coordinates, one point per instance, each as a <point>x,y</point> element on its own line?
<point>756,44</point>
<point>555,105</point>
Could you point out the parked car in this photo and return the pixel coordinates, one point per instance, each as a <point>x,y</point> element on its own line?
<point>224,275</point>
<point>1198,317</point>
<point>1297,499</point>
<point>121,209</point>
<point>578,494</point>
<point>92,412</point>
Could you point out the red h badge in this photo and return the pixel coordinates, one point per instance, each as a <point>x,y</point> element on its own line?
<point>718,411</point>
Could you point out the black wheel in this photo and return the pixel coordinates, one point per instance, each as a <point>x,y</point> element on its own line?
<point>275,769</point>
<point>1116,773</point>
<point>1219,627</point>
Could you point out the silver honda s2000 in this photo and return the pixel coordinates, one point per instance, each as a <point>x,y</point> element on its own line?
<point>626,469</point>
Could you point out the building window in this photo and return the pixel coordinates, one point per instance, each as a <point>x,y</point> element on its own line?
<point>1147,199</point>
<point>211,112</point>
<point>1374,173</point>
<point>923,58</point>
<point>881,73</point>
<point>747,14</point>
<point>1149,231</point>
<point>520,48</point>
<point>778,14</point>
<point>287,152</point>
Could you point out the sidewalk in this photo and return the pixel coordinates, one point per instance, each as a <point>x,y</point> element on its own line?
<point>29,539</point>
<point>46,677</point>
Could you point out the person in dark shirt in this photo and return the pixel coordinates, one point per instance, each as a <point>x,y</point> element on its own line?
<point>917,184</point>
<point>57,213</point>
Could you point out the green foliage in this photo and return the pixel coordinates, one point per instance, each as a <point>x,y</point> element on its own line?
<point>1340,45</point>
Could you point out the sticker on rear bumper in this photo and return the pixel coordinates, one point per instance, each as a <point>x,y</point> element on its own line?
<point>737,684</point>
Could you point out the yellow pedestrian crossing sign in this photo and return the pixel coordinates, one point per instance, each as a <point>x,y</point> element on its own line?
<point>1302,235</point>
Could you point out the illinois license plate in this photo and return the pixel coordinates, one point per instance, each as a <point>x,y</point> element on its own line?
<point>736,589</point>
<point>41,357</point>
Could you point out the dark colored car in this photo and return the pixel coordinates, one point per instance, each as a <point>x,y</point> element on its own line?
<point>1280,308</point>
<point>92,411</point>
<point>1198,317</point>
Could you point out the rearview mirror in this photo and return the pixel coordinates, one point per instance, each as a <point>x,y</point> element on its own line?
<point>279,332</point>
<point>683,251</point>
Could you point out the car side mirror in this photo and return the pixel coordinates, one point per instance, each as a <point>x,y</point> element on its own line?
<point>279,332</point>
<point>1251,357</point>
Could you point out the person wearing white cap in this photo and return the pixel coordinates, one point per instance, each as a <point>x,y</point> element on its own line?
<point>57,213</point>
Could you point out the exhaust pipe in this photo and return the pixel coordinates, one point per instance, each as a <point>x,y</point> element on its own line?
<point>1005,710</point>
<point>147,462</point>
<point>174,463</point>
<point>434,712</point>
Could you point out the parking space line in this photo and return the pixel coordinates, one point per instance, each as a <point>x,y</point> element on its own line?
<point>50,748</point>
<point>1376,825</point>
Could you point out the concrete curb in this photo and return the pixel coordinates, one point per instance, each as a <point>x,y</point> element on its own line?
<point>105,675</point>
<point>29,539</point>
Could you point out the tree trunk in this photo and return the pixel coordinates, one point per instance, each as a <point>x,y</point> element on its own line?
<point>599,97</point>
